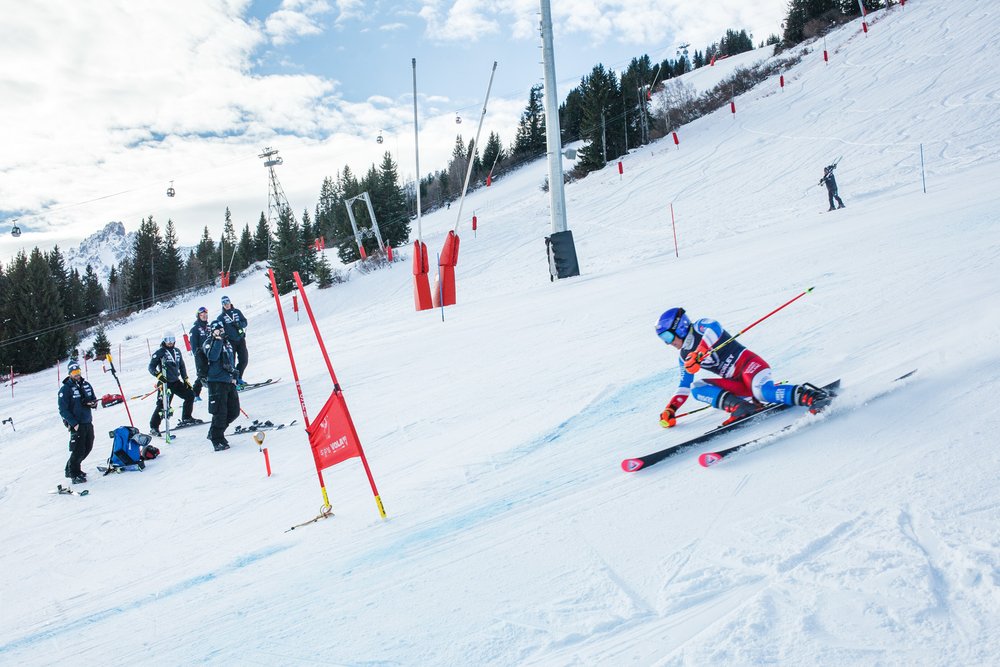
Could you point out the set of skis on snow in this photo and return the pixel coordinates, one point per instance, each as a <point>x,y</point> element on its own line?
<point>708,459</point>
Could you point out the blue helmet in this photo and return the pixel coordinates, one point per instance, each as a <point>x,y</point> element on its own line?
<point>674,322</point>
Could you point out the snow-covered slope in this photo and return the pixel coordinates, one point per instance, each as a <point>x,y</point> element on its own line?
<point>867,536</point>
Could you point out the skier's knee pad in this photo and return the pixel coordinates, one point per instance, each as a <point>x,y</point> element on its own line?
<point>706,393</point>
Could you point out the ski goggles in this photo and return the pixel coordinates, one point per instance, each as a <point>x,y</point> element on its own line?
<point>203,311</point>
<point>667,337</point>
<point>169,339</point>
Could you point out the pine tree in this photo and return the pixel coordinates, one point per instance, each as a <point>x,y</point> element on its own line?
<point>102,346</point>
<point>390,206</point>
<point>93,293</point>
<point>116,290</point>
<point>456,168</point>
<point>262,240</point>
<point>73,298</point>
<point>602,121</point>
<point>529,142</point>
<point>244,250</point>
<point>493,155</point>
<point>286,251</point>
<point>324,274</point>
<point>227,244</point>
<point>142,288</point>
<point>170,267</point>
<point>208,259</point>
<point>33,307</point>
<point>307,263</point>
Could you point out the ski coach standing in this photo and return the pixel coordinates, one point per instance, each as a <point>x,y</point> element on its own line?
<point>234,321</point>
<point>199,334</point>
<point>223,399</point>
<point>167,366</point>
<point>744,379</point>
<point>76,400</point>
<point>831,186</point>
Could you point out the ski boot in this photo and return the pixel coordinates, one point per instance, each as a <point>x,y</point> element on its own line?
<point>738,407</point>
<point>812,397</point>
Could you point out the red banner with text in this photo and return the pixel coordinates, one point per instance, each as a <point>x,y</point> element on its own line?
<point>331,435</point>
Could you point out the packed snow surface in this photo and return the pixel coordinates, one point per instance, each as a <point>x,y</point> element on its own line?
<point>865,536</point>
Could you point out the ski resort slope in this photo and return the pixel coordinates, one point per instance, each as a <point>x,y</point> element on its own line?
<point>867,535</point>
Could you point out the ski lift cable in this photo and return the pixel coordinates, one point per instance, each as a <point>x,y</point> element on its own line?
<point>49,211</point>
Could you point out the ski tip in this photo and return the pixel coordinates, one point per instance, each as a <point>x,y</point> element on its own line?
<point>709,459</point>
<point>631,465</point>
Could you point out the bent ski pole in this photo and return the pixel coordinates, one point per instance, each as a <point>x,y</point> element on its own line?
<point>787,303</point>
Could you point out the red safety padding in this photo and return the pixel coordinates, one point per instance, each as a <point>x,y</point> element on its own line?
<point>449,253</point>
<point>420,264</point>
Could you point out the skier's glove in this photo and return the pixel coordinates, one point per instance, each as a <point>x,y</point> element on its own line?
<point>160,378</point>
<point>692,364</point>
<point>188,383</point>
<point>667,418</point>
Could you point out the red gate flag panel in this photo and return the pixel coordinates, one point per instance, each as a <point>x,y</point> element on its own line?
<point>330,434</point>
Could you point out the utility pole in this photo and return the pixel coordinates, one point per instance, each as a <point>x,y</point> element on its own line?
<point>560,247</point>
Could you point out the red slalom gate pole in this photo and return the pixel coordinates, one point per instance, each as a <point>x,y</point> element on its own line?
<point>336,388</point>
<point>298,387</point>
<point>267,461</point>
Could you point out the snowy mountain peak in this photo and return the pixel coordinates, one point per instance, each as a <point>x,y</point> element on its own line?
<point>101,250</point>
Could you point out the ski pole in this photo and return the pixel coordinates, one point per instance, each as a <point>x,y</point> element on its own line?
<point>114,373</point>
<point>787,303</point>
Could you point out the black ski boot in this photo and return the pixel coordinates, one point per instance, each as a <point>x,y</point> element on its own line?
<point>812,397</point>
<point>737,406</point>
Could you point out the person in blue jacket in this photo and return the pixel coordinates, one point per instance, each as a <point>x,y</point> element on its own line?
<point>223,398</point>
<point>199,334</point>
<point>234,321</point>
<point>745,382</point>
<point>76,400</point>
<point>830,181</point>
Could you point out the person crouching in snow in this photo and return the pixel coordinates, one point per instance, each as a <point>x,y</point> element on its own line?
<point>745,382</point>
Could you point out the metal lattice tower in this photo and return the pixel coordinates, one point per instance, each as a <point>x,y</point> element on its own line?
<point>276,200</point>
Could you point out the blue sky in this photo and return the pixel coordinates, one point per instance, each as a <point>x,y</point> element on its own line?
<point>105,103</point>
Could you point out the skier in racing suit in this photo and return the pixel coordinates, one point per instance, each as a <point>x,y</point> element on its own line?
<point>744,383</point>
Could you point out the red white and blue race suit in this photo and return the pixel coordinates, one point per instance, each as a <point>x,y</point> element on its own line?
<point>740,371</point>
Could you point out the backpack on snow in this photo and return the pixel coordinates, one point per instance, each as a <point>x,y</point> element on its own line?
<point>130,448</point>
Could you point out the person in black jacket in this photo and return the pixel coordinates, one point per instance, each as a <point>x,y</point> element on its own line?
<point>167,366</point>
<point>831,186</point>
<point>199,334</point>
<point>235,323</point>
<point>223,399</point>
<point>76,399</point>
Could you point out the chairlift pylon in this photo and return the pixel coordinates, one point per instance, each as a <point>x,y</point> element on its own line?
<point>170,190</point>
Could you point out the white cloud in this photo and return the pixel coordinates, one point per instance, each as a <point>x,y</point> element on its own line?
<point>391,27</point>
<point>599,21</point>
<point>295,18</point>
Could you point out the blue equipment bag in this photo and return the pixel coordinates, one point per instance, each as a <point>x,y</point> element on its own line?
<point>130,448</point>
